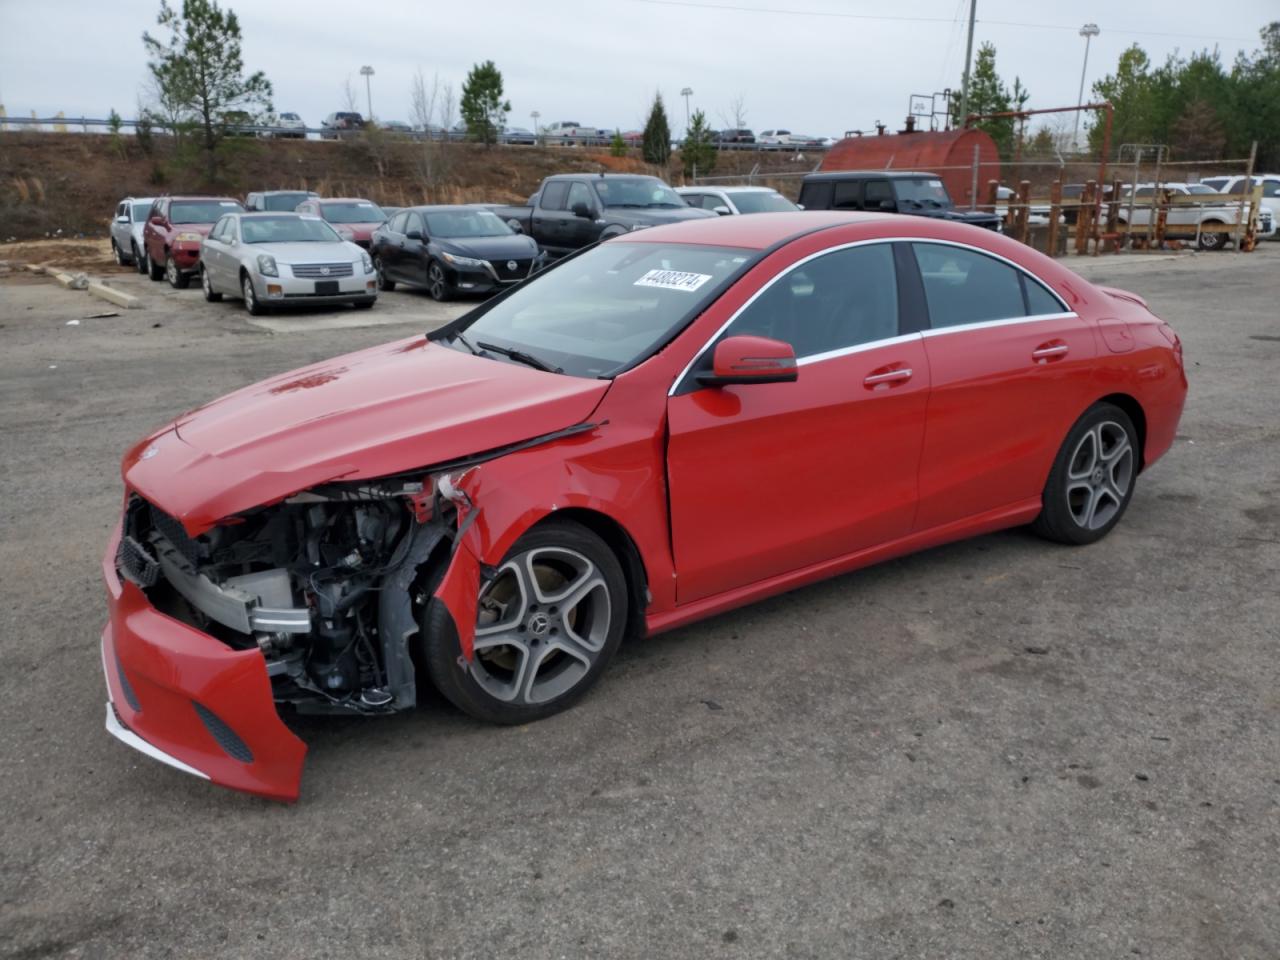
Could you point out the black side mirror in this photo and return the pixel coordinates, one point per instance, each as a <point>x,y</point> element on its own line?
<point>888,205</point>
<point>413,235</point>
<point>582,210</point>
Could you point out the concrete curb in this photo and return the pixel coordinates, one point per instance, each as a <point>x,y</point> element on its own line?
<point>118,297</point>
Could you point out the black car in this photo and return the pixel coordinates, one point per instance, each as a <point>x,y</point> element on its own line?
<point>451,250</point>
<point>888,191</point>
<point>735,136</point>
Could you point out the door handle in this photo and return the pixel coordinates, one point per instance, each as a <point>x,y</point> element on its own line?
<point>1049,351</point>
<point>888,376</point>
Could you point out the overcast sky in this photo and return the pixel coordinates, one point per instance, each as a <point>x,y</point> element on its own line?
<point>812,66</point>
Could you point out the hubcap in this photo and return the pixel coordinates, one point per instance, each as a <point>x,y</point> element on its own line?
<point>204,281</point>
<point>542,623</point>
<point>172,269</point>
<point>436,275</point>
<point>1099,475</point>
<point>248,292</point>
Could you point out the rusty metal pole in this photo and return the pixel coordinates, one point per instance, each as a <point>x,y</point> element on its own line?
<point>1084,218</point>
<point>1024,209</point>
<point>993,187</point>
<point>1055,211</point>
<point>1248,190</point>
<point>973,191</point>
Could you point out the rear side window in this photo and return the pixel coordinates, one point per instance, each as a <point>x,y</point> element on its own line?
<point>963,286</point>
<point>554,194</point>
<point>842,299</point>
<point>815,195</point>
<point>1039,300</point>
<point>877,192</point>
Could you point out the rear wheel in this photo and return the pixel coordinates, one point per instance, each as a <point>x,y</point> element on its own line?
<point>1092,480</point>
<point>548,622</point>
<point>207,286</point>
<point>117,253</point>
<point>437,284</point>
<point>154,270</point>
<point>139,260</point>
<point>177,279</point>
<point>1213,241</point>
<point>251,301</point>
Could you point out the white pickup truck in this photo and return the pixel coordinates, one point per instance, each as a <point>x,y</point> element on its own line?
<point>1185,220</point>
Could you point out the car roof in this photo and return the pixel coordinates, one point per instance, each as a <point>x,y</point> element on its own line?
<point>756,233</point>
<point>878,174</point>
<point>600,176</point>
<point>195,196</point>
<point>343,200</point>
<point>276,193</point>
<point>438,207</point>
<point>267,215</point>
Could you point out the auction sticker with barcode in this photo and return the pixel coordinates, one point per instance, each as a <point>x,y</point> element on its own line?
<point>673,280</point>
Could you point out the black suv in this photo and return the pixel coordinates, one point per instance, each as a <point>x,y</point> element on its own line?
<point>888,191</point>
<point>735,136</point>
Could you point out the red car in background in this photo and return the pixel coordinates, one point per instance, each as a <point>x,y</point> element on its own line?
<point>176,226</point>
<point>354,218</point>
<point>659,428</point>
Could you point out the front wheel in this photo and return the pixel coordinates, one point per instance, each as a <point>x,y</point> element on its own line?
<point>251,301</point>
<point>154,270</point>
<point>437,284</point>
<point>547,624</point>
<point>177,279</point>
<point>1092,479</point>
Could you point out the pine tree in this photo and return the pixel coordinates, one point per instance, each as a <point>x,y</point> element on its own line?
<point>657,134</point>
<point>698,152</point>
<point>482,106</point>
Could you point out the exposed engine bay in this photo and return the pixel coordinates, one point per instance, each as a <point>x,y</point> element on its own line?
<point>330,585</point>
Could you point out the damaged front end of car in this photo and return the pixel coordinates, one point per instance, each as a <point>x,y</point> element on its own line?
<point>315,601</point>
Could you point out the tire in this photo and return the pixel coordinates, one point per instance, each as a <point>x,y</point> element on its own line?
<point>437,284</point>
<point>153,271</point>
<point>1086,495</point>
<point>383,282</point>
<point>177,279</point>
<point>207,286</point>
<point>251,301</point>
<point>118,253</point>
<point>1213,241</point>
<point>139,260</point>
<point>566,660</point>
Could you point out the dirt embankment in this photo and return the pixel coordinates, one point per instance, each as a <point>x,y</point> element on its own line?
<point>62,185</point>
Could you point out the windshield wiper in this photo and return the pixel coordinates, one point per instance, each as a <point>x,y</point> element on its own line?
<point>521,356</point>
<point>457,335</point>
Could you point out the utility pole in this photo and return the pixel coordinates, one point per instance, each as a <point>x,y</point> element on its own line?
<point>367,72</point>
<point>1088,31</point>
<point>968,62</point>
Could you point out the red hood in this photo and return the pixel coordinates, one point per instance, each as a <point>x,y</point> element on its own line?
<point>388,409</point>
<point>200,228</point>
<point>360,231</point>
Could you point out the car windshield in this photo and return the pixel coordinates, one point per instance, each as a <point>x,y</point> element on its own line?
<point>1271,188</point>
<point>610,307</point>
<point>922,193</point>
<point>284,202</point>
<point>140,211</point>
<point>1199,188</point>
<point>286,230</point>
<point>201,211</point>
<point>636,192</point>
<point>289,116</point>
<point>466,223</point>
<point>762,202</point>
<point>360,212</point>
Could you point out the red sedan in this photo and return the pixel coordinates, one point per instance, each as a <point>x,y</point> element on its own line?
<point>661,427</point>
<point>354,218</point>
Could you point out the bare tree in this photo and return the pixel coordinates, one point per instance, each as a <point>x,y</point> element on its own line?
<point>448,107</point>
<point>349,101</point>
<point>428,109</point>
<point>735,114</point>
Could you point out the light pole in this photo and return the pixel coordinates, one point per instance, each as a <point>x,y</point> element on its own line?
<point>537,136</point>
<point>367,72</point>
<point>687,92</point>
<point>1088,31</point>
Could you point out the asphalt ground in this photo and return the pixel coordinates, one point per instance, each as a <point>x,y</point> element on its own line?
<point>998,748</point>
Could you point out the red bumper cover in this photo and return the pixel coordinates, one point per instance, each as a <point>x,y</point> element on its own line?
<point>192,699</point>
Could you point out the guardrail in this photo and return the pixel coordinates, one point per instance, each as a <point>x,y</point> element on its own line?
<point>269,131</point>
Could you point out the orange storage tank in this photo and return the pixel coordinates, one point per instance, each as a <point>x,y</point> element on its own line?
<point>926,151</point>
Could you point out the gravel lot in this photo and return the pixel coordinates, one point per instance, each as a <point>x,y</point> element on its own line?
<point>999,748</point>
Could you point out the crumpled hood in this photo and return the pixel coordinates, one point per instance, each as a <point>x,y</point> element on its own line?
<point>389,409</point>
<point>976,217</point>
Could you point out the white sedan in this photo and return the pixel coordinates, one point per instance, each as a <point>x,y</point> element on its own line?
<point>268,259</point>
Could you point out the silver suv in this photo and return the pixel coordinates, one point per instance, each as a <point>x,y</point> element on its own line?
<point>126,230</point>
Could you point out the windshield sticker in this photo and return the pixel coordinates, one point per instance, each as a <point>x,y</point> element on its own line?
<point>673,280</point>
<point>935,184</point>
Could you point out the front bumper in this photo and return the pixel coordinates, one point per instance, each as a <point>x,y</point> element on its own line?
<point>292,289</point>
<point>490,277</point>
<point>186,254</point>
<point>188,700</point>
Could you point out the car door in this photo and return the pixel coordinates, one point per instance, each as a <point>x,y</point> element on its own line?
<point>391,250</point>
<point>412,259</point>
<point>580,231</point>
<point>1011,369</point>
<point>120,225</point>
<point>769,478</point>
<point>547,219</point>
<point>211,254</point>
<point>153,232</point>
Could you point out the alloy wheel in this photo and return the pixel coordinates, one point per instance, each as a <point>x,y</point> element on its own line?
<point>436,283</point>
<point>171,271</point>
<point>1099,475</point>
<point>543,621</point>
<point>250,301</point>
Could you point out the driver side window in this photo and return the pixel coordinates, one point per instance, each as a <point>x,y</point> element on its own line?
<point>415,223</point>
<point>578,193</point>
<point>841,299</point>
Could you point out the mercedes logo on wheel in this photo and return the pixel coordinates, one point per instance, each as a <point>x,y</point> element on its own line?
<point>324,271</point>
<point>511,264</point>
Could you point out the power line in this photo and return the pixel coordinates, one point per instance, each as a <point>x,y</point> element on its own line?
<point>840,15</point>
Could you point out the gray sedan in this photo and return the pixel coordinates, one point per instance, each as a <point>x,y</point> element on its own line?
<point>269,259</point>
